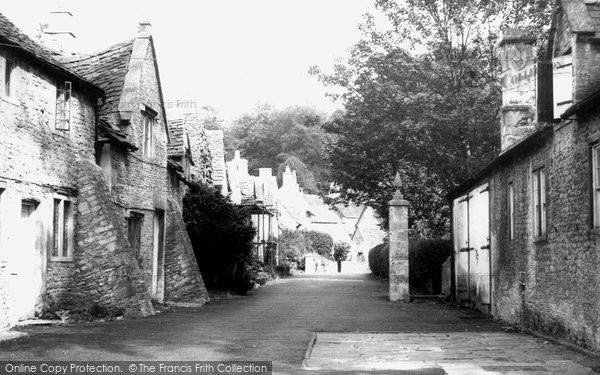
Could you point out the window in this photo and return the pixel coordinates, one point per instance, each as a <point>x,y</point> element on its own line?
<point>596,184</point>
<point>511,211</point>
<point>63,106</point>
<point>2,187</point>
<point>62,229</point>
<point>9,84</point>
<point>134,232</point>
<point>539,203</point>
<point>148,136</point>
<point>562,80</point>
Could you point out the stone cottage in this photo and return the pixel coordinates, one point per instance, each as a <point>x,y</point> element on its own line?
<point>526,229</point>
<point>259,195</point>
<point>87,216</point>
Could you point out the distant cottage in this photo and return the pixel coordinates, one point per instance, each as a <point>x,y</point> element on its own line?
<point>90,182</point>
<point>526,230</point>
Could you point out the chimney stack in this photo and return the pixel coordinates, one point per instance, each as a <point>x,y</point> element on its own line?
<point>289,179</point>
<point>519,112</point>
<point>144,29</point>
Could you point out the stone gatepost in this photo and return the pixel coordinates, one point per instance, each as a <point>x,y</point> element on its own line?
<point>399,245</point>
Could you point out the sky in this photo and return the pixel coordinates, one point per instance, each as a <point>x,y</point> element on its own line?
<point>228,54</point>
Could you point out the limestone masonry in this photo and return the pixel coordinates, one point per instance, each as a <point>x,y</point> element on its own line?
<point>527,228</point>
<point>91,181</point>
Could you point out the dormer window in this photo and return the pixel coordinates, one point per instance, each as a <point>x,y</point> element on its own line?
<point>63,106</point>
<point>562,81</point>
<point>148,123</point>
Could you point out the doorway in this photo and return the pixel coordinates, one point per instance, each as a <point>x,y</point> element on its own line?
<point>158,258</point>
<point>25,262</point>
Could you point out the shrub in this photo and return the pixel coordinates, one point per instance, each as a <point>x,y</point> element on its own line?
<point>221,235</point>
<point>340,251</point>
<point>379,261</point>
<point>320,243</point>
<point>284,270</point>
<point>294,244</point>
<point>425,264</point>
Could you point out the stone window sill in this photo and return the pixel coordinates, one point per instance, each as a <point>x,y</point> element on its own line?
<point>61,259</point>
<point>540,240</point>
<point>595,231</point>
<point>64,134</point>
<point>9,100</point>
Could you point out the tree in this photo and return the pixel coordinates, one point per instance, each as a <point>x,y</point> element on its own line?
<point>421,99</point>
<point>276,138</point>
<point>210,118</point>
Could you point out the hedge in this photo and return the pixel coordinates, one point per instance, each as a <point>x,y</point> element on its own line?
<point>425,264</point>
<point>379,260</point>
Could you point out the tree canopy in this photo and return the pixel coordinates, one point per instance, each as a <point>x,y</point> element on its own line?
<point>421,98</point>
<point>275,138</point>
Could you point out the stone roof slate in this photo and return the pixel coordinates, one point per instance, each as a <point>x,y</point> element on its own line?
<point>12,35</point>
<point>321,213</point>
<point>176,147</point>
<point>106,69</point>
<point>349,211</point>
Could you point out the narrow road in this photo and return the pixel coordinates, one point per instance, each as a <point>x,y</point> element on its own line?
<point>274,323</point>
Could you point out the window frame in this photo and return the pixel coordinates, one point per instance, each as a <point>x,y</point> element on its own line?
<point>62,227</point>
<point>135,217</point>
<point>148,136</point>
<point>540,206</point>
<point>2,188</point>
<point>511,211</point>
<point>64,96</point>
<point>595,184</point>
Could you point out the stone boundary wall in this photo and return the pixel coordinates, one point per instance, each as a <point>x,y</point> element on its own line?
<point>106,270</point>
<point>183,281</point>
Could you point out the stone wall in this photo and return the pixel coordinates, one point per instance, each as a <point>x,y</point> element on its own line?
<point>106,270</point>
<point>550,285</point>
<point>36,163</point>
<point>183,281</point>
<point>586,73</point>
<point>141,184</point>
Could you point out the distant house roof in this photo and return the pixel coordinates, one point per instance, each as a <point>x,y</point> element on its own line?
<point>351,210</point>
<point>320,212</point>
<point>106,69</point>
<point>11,36</point>
<point>217,152</point>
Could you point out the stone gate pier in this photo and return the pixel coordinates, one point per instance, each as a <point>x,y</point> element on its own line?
<point>398,288</point>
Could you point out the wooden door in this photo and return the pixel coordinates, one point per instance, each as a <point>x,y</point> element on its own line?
<point>461,246</point>
<point>25,263</point>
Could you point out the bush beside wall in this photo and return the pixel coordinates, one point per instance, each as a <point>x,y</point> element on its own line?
<point>425,264</point>
<point>294,244</point>
<point>379,260</point>
<point>221,235</point>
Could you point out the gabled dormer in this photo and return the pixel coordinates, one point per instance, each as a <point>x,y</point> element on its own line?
<point>574,49</point>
